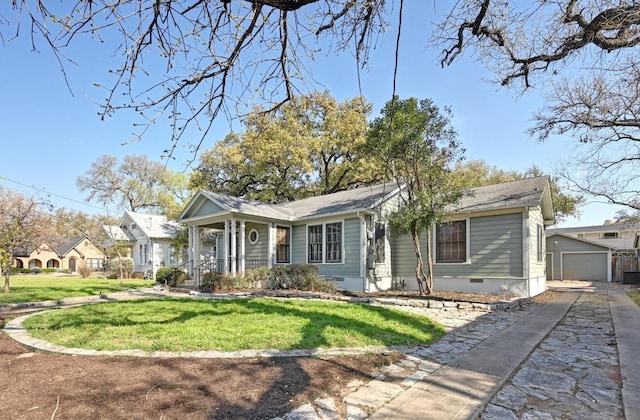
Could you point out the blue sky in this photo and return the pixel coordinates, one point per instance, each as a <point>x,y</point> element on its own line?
<point>51,134</point>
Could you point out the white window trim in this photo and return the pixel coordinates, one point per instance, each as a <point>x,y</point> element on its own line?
<point>324,242</point>
<point>257,236</point>
<point>434,243</point>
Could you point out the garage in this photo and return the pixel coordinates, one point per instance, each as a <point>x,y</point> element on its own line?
<point>591,266</point>
<point>571,258</point>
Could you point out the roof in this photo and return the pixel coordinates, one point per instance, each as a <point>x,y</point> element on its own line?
<point>526,192</point>
<point>116,233</point>
<point>598,228</point>
<point>68,244</point>
<point>153,225</point>
<point>358,199</point>
<point>588,241</point>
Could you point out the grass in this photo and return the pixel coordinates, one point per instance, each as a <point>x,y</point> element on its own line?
<point>635,296</point>
<point>230,325</point>
<point>36,288</point>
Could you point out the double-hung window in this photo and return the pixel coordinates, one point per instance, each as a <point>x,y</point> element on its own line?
<point>283,244</point>
<point>451,242</point>
<point>324,243</point>
<point>540,243</point>
<point>315,244</point>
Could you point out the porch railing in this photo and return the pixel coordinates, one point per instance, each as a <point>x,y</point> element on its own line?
<point>217,266</point>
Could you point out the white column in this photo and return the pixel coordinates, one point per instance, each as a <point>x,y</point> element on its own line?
<point>225,242</point>
<point>196,245</point>
<point>242,246</point>
<point>270,244</point>
<point>234,241</point>
<point>191,255</point>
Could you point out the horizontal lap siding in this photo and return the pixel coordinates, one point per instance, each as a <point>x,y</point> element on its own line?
<point>350,267</point>
<point>259,250</point>
<point>495,250</point>
<point>496,247</point>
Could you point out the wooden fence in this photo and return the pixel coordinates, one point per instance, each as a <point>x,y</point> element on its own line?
<point>622,263</point>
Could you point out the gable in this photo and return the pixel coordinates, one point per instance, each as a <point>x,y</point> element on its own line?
<point>559,242</point>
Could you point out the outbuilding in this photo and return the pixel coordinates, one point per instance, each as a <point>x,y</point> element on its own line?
<point>571,258</point>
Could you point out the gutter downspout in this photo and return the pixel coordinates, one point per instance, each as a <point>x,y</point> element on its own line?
<point>525,262</point>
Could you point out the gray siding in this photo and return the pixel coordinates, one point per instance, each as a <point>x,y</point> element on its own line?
<point>350,267</point>
<point>558,244</point>
<point>207,209</point>
<point>258,251</point>
<point>495,250</point>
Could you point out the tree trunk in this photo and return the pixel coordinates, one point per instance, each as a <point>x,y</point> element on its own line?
<point>7,275</point>
<point>429,276</point>
<point>421,277</point>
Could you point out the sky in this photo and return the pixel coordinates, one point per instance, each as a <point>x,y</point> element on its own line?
<point>51,131</point>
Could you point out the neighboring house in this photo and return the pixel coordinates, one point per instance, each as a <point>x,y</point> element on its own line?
<point>621,238</point>
<point>148,238</point>
<point>493,243</point>
<point>69,253</point>
<point>572,258</point>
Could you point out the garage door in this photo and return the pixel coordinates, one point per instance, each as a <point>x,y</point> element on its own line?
<point>590,266</point>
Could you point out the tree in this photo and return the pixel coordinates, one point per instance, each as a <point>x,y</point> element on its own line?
<point>20,224</point>
<point>310,146</point>
<point>136,184</point>
<point>421,147</point>
<point>475,173</point>
<point>203,55</point>
<point>584,56</point>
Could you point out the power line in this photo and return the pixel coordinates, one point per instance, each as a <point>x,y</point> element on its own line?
<point>40,190</point>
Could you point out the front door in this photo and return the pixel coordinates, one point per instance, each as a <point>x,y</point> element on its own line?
<point>72,265</point>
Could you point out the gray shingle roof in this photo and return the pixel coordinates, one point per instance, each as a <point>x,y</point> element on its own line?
<point>519,193</point>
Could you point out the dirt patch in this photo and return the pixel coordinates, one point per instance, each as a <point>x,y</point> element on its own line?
<point>35,386</point>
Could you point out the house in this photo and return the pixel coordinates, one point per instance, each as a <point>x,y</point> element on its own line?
<point>571,257</point>
<point>68,253</point>
<point>493,242</point>
<point>148,238</point>
<point>622,238</point>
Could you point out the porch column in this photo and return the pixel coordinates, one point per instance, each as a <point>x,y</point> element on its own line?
<point>197,245</point>
<point>234,241</point>
<point>242,246</point>
<point>225,243</point>
<point>190,249</point>
<point>270,244</point>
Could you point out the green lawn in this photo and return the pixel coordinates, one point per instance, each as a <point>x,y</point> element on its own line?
<point>35,288</point>
<point>228,325</point>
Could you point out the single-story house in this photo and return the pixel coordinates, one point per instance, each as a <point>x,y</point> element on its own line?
<point>573,258</point>
<point>148,238</point>
<point>68,253</point>
<point>492,243</point>
<point>619,237</point>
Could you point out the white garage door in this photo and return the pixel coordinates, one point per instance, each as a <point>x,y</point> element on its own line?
<point>590,266</point>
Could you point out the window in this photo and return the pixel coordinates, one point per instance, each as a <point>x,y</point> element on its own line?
<point>324,243</point>
<point>540,242</point>
<point>253,236</point>
<point>610,235</point>
<point>451,242</point>
<point>379,242</point>
<point>283,241</point>
<point>94,263</point>
<point>334,242</point>
<point>315,244</point>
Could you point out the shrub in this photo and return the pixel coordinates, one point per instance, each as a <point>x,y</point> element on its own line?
<point>258,278</point>
<point>171,276</point>
<point>114,264</point>
<point>84,270</point>
<point>48,270</point>
<point>35,270</point>
<point>210,282</point>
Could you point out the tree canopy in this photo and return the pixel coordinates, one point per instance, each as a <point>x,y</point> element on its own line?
<point>310,146</point>
<point>420,146</point>
<point>136,184</point>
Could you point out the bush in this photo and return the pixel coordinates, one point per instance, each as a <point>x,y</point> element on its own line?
<point>35,270</point>
<point>258,278</point>
<point>84,270</point>
<point>113,267</point>
<point>171,276</point>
